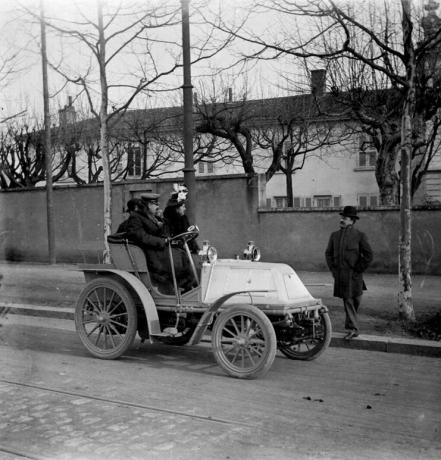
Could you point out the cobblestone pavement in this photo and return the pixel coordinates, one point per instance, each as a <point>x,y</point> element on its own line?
<point>53,425</point>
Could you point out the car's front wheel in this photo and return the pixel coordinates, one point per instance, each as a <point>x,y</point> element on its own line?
<point>244,342</point>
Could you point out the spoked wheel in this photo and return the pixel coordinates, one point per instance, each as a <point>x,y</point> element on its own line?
<point>105,318</point>
<point>244,342</point>
<point>312,341</point>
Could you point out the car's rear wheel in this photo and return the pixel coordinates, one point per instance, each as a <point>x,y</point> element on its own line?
<point>312,341</point>
<point>244,342</point>
<point>105,318</point>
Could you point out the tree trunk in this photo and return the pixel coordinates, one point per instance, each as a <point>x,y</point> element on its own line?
<point>289,194</point>
<point>405,304</point>
<point>386,175</point>
<point>107,221</point>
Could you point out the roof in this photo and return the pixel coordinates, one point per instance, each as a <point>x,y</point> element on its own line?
<point>256,112</point>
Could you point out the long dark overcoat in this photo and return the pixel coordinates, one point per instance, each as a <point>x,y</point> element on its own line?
<point>348,255</point>
<point>149,233</point>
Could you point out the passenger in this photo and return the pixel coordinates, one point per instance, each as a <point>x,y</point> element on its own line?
<point>132,205</point>
<point>176,220</point>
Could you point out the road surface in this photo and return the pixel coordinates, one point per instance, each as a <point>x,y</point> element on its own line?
<point>164,402</point>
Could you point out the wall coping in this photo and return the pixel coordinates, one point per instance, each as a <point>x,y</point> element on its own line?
<point>333,210</point>
<point>130,182</point>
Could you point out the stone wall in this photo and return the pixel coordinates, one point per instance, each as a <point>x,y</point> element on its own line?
<point>228,215</point>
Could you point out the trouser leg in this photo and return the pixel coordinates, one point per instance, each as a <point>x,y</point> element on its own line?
<point>351,305</point>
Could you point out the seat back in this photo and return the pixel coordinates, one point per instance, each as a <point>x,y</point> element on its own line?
<point>128,257</point>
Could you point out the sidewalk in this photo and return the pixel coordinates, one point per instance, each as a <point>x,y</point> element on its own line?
<point>52,291</point>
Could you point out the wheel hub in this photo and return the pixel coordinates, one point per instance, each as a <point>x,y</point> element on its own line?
<point>103,317</point>
<point>242,341</point>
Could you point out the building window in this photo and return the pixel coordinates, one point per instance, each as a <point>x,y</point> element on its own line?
<point>308,202</point>
<point>337,201</point>
<point>367,159</point>
<point>323,201</point>
<point>363,201</point>
<point>280,201</point>
<point>296,202</point>
<point>134,162</point>
<point>367,200</point>
<point>205,167</point>
<point>367,155</point>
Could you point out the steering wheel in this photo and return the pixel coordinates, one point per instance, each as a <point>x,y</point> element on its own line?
<point>186,236</point>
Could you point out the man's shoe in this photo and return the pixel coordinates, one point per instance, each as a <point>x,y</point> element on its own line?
<point>351,334</point>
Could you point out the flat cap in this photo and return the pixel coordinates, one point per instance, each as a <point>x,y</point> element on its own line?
<point>149,196</point>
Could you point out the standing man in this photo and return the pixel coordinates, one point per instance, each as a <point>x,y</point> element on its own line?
<point>348,255</point>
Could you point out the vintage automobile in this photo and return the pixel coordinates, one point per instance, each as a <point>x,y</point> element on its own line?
<point>251,308</point>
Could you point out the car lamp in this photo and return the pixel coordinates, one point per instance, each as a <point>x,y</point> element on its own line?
<point>207,253</point>
<point>251,252</point>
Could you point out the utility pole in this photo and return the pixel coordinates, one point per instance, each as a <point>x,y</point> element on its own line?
<point>189,173</point>
<point>47,141</point>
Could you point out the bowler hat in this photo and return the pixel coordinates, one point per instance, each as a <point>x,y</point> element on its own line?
<point>350,211</point>
<point>149,196</point>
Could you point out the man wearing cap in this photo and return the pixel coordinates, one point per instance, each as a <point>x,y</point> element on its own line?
<point>348,255</point>
<point>145,229</point>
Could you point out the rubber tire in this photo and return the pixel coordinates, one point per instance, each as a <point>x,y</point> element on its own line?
<point>267,329</point>
<point>118,288</point>
<point>318,349</point>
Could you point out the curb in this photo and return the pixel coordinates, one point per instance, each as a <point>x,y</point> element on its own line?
<point>418,347</point>
<point>37,310</point>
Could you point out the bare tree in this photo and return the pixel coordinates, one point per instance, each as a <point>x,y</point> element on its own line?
<point>276,134</point>
<point>22,157</point>
<point>294,136</point>
<point>233,122</point>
